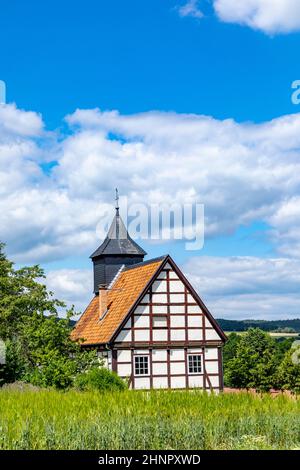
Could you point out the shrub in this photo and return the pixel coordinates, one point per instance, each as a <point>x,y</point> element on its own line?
<point>99,379</point>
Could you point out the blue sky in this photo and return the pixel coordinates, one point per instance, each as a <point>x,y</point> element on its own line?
<point>222,78</point>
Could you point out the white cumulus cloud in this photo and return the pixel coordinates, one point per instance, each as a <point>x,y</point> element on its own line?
<point>269,16</point>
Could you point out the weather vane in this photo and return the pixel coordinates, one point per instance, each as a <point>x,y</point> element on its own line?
<point>117,200</point>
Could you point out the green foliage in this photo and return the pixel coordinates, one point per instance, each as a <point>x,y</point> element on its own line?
<point>288,374</point>
<point>254,364</point>
<point>177,420</point>
<point>99,379</point>
<point>39,348</point>
<point>230,347</point>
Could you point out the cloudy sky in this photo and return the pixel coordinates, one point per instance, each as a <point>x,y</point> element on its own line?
<point>169,101</point>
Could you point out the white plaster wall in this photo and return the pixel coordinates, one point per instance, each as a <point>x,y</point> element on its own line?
<point>141,382</point>
<point>159,286</point>
<point>177,309</point>
<point>160,335</point>
<point>194,309</point>
<point>177,286</point>
<point>177,298</point>
<point>177,382</point>
<point>124,336</point>
<point>211,353</point>
<point>140,309</point>
<point>177,355</point>
<point>195,381</point>
<point>124,355</point>
<point>159,369</point>
<point>214,381</point>
<point>194,320</point>
<point>159,355</point>
<point>211,334</point>
<point>177,367</point>
<point>159,298</point>
<point>124,370</point>
<point>177,335</point>
<point>141,321</point>
<point>159,309</point>
<point>142,335</point>
<point>195,335</point>
<point>160,382</point>
<point>177,320</point>
<point>211,367</point>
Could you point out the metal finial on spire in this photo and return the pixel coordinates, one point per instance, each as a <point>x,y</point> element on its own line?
<point>117,201</point>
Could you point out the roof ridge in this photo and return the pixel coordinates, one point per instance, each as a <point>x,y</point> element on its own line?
<point>144,263</point>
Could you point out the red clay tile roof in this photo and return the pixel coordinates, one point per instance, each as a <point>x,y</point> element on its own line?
<point>121,298</point>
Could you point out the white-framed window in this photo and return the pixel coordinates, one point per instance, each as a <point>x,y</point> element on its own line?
<point>141,365</point>
<point>159,321</point>
<point>195,363</point>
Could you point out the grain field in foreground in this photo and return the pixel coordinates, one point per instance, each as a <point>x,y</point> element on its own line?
<point>142,420</point>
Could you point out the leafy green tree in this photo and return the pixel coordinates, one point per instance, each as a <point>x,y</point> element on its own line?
<point>254,364</point>
<point>39,348</point>
<point>288,374</point>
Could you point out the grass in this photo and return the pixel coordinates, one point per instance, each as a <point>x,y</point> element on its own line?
<point>147,420</point>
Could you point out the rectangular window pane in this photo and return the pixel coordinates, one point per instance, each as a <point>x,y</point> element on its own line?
<point>194,361</point>
<point>141,365</point>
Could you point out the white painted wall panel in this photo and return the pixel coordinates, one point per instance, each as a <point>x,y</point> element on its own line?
<point>124,355</point>
<point>211,367</point>
<point>159,309</point>
<point>177,355</point>
<point>190,299</point>
<point>124,336</point>
<point>177,335</point>
<point>159,355</point>
<point>160,369</point>
<point>162,275</point>
<point>211,353</point>
<point>177,367</point>
<point>160,382</point>
<point>141,351</point>
<point>177,320</point>
<point>160,335</point>
<point>194,309</point>
<point>167,266</point>
<point>141,321</point>
<point>124,370</point>
<point>159,298</point>
<point>195,381</point>
<point>211,334</point>
<point>207,322</point>
<point>141,382</point>
<point>177,382</point>
<point>177,286</point>
<point>214,380</point>
<point>142,335</point>
<point>177,308</point>
<point>195,335</point>
<point>173,275</point>
<point>194,320</point>
<point>142,309</point>
<point>159,286</point>
<point>176,298</point>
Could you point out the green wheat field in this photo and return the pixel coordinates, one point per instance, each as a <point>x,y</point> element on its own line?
<point>147,420</point>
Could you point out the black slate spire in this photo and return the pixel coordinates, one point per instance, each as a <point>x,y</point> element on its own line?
<point>118,249</point>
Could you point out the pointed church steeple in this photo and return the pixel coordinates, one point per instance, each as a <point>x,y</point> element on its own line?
<point>118,249</point>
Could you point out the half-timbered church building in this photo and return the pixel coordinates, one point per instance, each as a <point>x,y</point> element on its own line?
<point>147,321</point>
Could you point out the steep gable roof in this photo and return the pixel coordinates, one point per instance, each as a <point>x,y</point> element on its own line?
<point>126,290</point>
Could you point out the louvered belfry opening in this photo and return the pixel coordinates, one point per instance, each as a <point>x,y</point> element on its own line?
<point>118,249</point>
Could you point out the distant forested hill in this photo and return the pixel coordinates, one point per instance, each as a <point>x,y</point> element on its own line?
<point>273,325</point>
